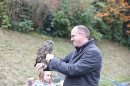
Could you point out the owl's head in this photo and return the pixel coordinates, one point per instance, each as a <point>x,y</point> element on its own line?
<point>48,44</point>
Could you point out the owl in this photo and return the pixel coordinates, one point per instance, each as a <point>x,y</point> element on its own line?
<point>46,48</point>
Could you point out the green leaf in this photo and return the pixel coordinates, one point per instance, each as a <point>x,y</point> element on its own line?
<point>48,29</point>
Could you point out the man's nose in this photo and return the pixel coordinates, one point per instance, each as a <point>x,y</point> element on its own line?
<point>71,38</point>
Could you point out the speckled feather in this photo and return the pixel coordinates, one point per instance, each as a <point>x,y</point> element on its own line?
<point>47,47</point>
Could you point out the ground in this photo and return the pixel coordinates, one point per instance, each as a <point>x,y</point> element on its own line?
<point>18,54</point>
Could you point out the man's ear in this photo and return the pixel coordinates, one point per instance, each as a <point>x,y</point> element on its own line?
<point>82,35</point>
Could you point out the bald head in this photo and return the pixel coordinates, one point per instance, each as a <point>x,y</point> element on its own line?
<point>79,35</point>
<point>82,29</point>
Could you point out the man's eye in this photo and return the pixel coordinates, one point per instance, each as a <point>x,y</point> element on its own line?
<point>72,36</point>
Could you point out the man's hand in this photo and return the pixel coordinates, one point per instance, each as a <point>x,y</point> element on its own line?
<point>49,56</point>
<point>41,66</point>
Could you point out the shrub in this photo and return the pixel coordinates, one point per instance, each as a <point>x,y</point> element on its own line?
<point>24,26</point>
<point>4,18</point>
<point>20,10</point>
<point>115,21</point>
<point>72,13</point>
<point>49,26</point>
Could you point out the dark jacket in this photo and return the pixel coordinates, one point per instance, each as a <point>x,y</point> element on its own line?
<point>81,67</point>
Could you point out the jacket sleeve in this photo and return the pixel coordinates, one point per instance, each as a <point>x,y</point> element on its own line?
<point>89,62</point>
<point>64,59</point>
<point>68,57</point>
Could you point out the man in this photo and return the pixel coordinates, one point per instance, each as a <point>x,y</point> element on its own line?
<point>82,66</point>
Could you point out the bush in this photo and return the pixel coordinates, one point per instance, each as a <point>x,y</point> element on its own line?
<point>49,27</point>
<point>20,10</point>
<point>72,13</point>
<point>62,18</point>
<point>53,17</point>
<point>4,18</point>
<point>114,22</point>
<point>24,26</point>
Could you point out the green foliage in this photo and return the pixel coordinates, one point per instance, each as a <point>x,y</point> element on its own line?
<point>49,27</point>
<point>63,23</point>
<point>126,38</point>
<point>113,26</point>
<point>62,17</point>
<point>21,10</point>
<point>14,25</point>
<point>118,31</point>
<point>24,26</point>
<point>96,34</point>
<point>105,29</point>
<point>71,14</point>
<point>4,18</point>
<point>128,42</point>
<point>87,18</point>
<point>21,13</point>
<point>111,31</point>
<point>5,21</point>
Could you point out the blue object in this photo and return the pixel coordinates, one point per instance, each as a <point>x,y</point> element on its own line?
<point>113,81</point>
<point>57,79</point>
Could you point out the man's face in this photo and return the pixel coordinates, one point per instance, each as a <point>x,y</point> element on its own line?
<point>76,37</point>
<point>47,76</point>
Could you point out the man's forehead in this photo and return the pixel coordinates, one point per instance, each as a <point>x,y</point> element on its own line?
<point>74,30</point>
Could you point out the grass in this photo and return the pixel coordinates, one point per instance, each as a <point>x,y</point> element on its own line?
<point>18,53</point>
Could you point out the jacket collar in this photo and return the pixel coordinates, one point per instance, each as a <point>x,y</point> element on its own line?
<point>89,42</point>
